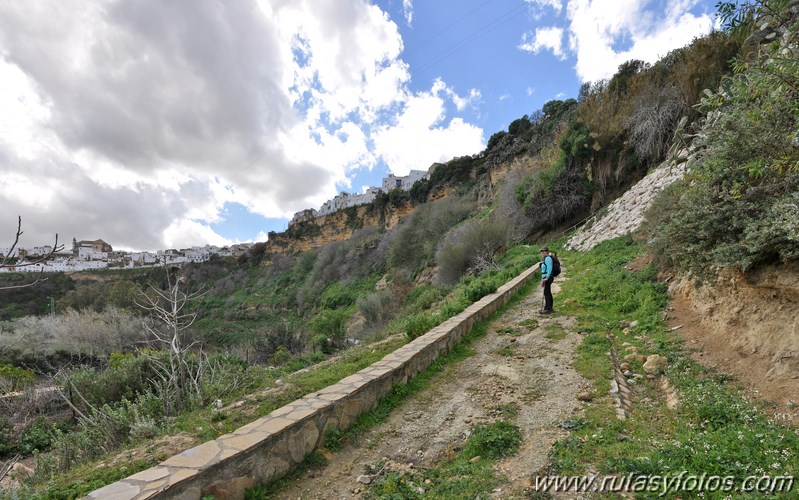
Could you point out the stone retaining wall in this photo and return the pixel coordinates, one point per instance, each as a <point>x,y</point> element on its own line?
<point>626,213</point>
<point>269,447</point>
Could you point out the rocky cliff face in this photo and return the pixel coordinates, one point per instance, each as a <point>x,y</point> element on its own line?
<point>334,227</point>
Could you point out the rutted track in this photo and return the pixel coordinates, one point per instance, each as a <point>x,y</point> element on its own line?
<point>522,372</point>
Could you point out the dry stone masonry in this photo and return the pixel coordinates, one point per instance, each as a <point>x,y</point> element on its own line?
<point>626,213</point>
<point>271,446</point>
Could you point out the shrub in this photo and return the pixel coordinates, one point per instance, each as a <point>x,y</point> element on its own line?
<point>8,445</point>
<point>377,307</point>
<point>737,207</point>
<point>331,324</point>
<point>479,289</point>
<point>37,437</point>
<point>554,195</point>
<point>470,248</point>
<point>128,377</point>
<point>14,378</point>
<point>340,262</point>
<point>418,324</point>
<point>422,297</point>
<point>417,236</point>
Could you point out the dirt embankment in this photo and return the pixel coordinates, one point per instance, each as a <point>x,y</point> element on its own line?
<point>747,326</point>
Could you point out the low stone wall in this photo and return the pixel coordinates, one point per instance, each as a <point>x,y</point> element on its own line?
<point>269,447</point>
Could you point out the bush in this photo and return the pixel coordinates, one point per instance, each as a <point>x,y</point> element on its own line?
<point>554,195</point>
<point>470,248</point>
<point>126,378</point>
<point>331,325</point>
<point>37,437</point>
<point>479,289</point>
<point>738,206</point>
<point>417,236</point>
<point>14,378</point>
<point>377,307</point>
<point>422,297</point>
<point>8,445</point>
<point>419,324</point>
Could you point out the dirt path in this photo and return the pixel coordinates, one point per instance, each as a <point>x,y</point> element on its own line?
<point>521,372</point>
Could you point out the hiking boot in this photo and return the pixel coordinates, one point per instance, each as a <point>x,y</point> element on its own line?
<point>545,311</point>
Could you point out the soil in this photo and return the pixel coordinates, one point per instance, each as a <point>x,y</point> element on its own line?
<point>517,374</point>
<point>755,372</point>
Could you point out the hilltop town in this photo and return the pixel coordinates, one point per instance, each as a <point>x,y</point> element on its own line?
<point>344,200</point>
<point>85,255</point>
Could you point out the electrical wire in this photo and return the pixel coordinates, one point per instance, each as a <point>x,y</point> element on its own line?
<point>446,28</point>
<point>480,32</point>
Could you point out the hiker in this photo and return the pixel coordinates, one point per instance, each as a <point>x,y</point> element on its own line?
<point>547,277</point>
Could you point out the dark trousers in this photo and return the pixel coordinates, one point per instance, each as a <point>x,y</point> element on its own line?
<point>548,293</point>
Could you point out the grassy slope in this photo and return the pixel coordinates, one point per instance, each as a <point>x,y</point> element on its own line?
<point>713,431</point>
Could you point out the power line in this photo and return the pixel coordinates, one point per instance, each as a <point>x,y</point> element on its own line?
<point>484,30</point>
<point>446,28</point>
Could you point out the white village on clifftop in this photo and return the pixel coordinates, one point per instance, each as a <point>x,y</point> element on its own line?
<point>88,255</point>
<point>345,200</point>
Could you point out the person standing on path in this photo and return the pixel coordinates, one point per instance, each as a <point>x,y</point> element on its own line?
<point>547,265</point>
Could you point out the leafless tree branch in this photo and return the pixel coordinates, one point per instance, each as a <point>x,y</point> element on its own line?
<point>4,263</point>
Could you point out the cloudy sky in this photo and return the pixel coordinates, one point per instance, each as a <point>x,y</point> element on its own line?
<point>171,123</point>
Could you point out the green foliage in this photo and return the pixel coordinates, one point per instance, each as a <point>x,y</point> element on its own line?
<point>495,440</point>
<point>7,439</point>
<point>14,378</point>
<point>337,269</point>
<point>520,126</point>
<point>737,207</point>
<point>126,378</point>
<point>495,140</point>
<point>100,295</point>
<point>479,289</point>
<point>333,439</point>
<point>576,141</point>
<point>420,190</point>
<point>38,437</point>
<point>422,297</point>
<point>419,324</point>
<point>554,195</point>
<point>32,300</point>
<point>331,325</point>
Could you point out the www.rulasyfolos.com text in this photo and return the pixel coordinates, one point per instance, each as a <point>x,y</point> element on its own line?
<point>664,484</point>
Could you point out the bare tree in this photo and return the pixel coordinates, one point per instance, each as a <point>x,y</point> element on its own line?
<point>5,262</point>
<point>179,381</point>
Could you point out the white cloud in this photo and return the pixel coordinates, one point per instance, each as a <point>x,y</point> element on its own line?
<point>544,39</point>
<point>556,5</point>
<point>188,233</point>
<point>598,26</point>
<point>418,136</point>
<point>137,121</point>
<point>407,10</point>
